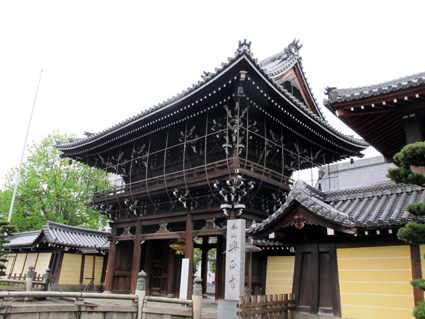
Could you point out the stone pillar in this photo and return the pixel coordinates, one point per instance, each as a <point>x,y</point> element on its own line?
<point>185,279</point>
<point>235,259</point>
<point>46,279</point>
<point>235,269</point>
<point>140,292</point>
<point>197,298</point>
<point>29,279</point>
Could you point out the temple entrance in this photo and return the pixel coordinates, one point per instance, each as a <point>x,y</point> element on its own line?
<point>164,265</point>
<point>316,279</point>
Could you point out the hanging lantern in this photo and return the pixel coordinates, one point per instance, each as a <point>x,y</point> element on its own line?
<point>178,246</point>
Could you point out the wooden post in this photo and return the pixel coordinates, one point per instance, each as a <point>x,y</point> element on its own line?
<point>111,263</point>
<point>137,250</point>
<point>315,275</point>
<point>170,272</point>
<point>189,252</point>
<point>415,258</point>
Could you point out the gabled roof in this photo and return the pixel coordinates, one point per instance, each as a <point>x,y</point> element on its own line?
<point>336,95</point>
<point>280,65</point>
<point>371,207</point>
<point>387,115</point>
<point>60,235</point>
<point>215,86</point>
<point>310,199</point>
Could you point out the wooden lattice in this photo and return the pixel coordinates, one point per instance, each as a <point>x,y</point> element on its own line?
<point>273,306</point>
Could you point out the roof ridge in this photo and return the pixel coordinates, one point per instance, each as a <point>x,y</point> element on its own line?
<point>75,228</point>
<point>352,93</point>
<point>244,49</point>
<point>383,186</point>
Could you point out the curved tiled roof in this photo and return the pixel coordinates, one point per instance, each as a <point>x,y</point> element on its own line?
<point>24,239</point>
<point>344,95</point>
<point>243,52</point>
<point>280,62</point>
<point>304,195</point>
<point>61,235</point>
<point>70,236</point>
<point>370,207</point>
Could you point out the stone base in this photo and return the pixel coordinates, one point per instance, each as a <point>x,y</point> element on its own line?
<point>226,309</point>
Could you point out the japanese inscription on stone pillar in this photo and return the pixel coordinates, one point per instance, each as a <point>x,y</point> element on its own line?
<point>235,259</point>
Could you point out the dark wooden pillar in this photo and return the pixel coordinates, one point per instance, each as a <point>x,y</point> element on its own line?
<point>137,250</point>
<point>232,214</point>
<point>415,258</point>
<point>204,266</point>
<point>56,265</point>
<point>189,252</point>
<point>83,262</point>
<point>149,266</point>
<point>111,262</point>
<point>171,272</point>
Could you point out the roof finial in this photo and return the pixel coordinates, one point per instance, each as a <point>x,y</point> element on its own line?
<point>294,47</point>
<point>331,92</point>
<point>243,47</point>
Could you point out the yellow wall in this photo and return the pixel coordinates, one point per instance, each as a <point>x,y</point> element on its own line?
<point>88,268</point>
<point>71,269</point>
<point>23,260</point>
<point>280,274</point>
<point>375,282</point>
<point>43,263</point>
<point>10,262</point>
<point>98,269</point>
<point>30,261</point>
<point>19,264</point>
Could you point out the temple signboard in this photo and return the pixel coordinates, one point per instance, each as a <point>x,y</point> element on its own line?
<point>235,259</point>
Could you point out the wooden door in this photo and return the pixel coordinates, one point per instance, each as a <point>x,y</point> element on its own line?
<point>158,268</point>
<point>123,264</point>
<point>316,279</point>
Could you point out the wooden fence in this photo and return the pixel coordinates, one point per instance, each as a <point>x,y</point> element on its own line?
<point>272,306</point>
<point>23,276</point>
<point>18,282</point>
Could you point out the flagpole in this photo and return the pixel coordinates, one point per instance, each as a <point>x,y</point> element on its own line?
<point>23,152</point>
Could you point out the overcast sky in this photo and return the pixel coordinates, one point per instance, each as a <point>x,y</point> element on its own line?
<point>105,61</point>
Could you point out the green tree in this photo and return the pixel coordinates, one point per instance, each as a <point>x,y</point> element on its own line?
<point>6,230</point>
<point>52,188</point>
<point>412,233</point>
